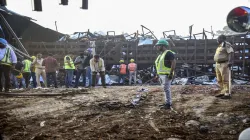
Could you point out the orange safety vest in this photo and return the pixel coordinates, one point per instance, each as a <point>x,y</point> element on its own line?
<point>123,69</point>
<point>132,67</point>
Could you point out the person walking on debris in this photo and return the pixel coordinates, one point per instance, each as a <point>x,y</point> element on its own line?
<point>69,67</point>
<point>8,60</point>
<point>51,65</point>
<point>39,70</point>
<point>80,70</point>
<point>26,71</point>
<point>165,66</point>
<point>33,74</point>
<point>97,66</point>
<point>132,67</point>
<point>123,72</point>
<point>224,60</point>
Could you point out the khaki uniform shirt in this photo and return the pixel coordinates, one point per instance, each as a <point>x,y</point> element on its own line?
<point>222,53</point>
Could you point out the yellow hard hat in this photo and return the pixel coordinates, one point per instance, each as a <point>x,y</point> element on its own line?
<point>33,57</point>
<point>132,60</point>
<point>121,61</point>
<point>19,76</point>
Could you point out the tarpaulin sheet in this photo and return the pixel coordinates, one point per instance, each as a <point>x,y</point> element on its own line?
<point>146,41</point>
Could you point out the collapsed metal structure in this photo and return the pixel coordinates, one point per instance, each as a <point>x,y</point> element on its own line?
<point>194,56</point>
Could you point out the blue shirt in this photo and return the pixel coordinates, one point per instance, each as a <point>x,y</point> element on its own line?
<point>13,58</point>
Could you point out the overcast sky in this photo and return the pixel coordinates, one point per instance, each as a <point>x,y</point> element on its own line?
<point>127,15</point>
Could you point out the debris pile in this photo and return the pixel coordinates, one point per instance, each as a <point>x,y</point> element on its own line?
<point>107,114</point>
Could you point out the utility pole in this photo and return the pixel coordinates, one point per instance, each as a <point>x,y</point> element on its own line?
<point>56,25</point>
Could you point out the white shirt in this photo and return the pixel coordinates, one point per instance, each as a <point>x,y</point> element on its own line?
<point>38,64</point>
<point>94,66</point>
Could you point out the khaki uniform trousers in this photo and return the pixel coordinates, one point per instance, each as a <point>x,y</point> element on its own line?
<point>222,74</point>
<point>38,73</point>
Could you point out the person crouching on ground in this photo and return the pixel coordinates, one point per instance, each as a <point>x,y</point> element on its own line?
<point>97,66</point>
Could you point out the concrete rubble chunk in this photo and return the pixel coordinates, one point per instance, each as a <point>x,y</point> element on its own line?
<point>180,81</point>
<point>247,120</point>
<point>192,123</point>
<point>42,124</point>
<point>204,129</point>
<point>220,115</point>
<point>232,132</point>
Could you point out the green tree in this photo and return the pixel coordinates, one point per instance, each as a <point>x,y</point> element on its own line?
<point>225,31</point>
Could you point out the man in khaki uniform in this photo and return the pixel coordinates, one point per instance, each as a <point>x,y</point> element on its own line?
<point>224,60</point>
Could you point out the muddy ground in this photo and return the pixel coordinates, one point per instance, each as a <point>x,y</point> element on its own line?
<point>106,114</point>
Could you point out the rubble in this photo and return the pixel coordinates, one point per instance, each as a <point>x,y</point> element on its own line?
<point>203,129</point>
<point>202,79</point>
<point>220,115</point>
<point>105,114</point>
<point>191,123</point>
<point>240,82</point>
<point>180,81</point>
<point>42,123</point>
<point>247,120</point>
<point>232,132</point>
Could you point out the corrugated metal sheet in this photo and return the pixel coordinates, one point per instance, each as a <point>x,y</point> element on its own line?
<point>26,29</point>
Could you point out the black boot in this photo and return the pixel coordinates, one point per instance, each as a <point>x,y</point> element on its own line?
<point>165,106</point>
<point>226,96</point>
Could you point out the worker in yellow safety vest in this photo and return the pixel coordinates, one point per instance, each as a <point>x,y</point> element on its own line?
<point>165,66</point>
<point>8,61</point>
<point>132,67</point>
<point>122,72</point>
<point>26,71</point>
<point>69,67</point>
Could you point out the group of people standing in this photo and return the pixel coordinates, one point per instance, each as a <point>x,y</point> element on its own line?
<point>20,71</point>
<point>124,70</point>
<point>86,66</point>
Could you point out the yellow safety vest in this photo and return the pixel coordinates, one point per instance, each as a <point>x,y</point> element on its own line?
<point>99,64</point>
<point>160,64</point>
<point>27,65</point>
<point>66,65</point>
<point>6,58</point>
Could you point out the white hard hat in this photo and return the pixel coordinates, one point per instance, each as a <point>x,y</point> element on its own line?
<point>245,135</point>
